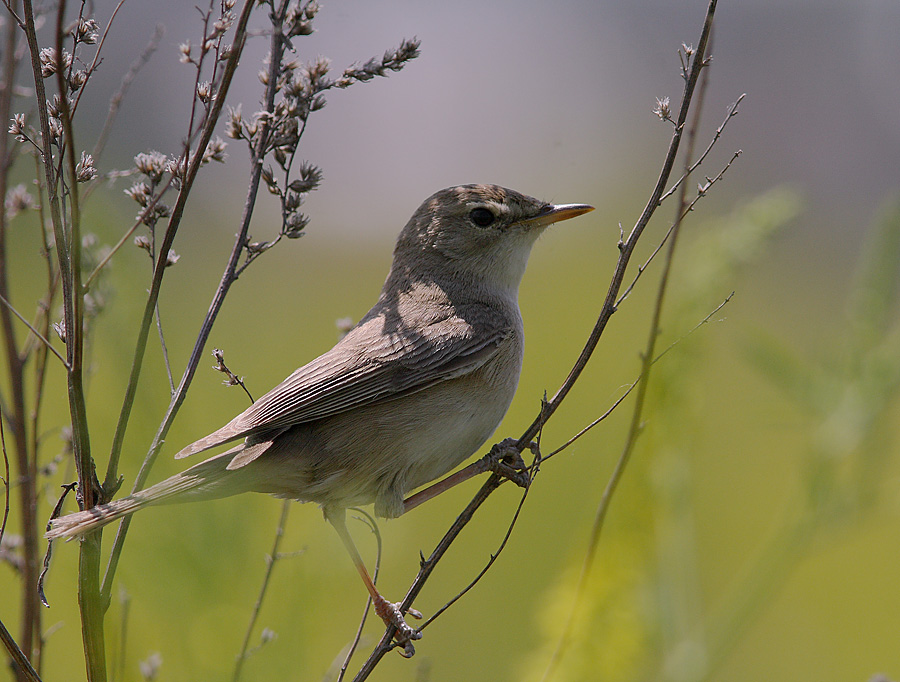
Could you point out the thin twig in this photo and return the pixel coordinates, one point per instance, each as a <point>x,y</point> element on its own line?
<point>271,558</point>
<point>34,331</point>
<point>493,558</point>
<point>19,660</point>
<point>634,383</point>
<point>732,112</point>
<point>206,327</point>
<point>549,407</point>
<point>6,483</point>
<point>31,609</point>
<point>165,350</point>
<point>233,379</point>
<point>148,210</point>
<point>627,247</point>
<point>67,488</point>
<point>96,60</point>
<point>427,567</point>
<point>156,283</point>
<point>637,418</point>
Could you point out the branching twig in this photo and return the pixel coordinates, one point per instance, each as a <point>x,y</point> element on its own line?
<point>144,215</point>
<point>193,165</point>
<point>626,249</point>
<point>427,567</point>
<point>34,331</point>
<point>191,368</point>
<point>637,418</point>
<point>702,190</point>
<point>634,383</point>
<point>232,378</point>
<point>732,112</point>
<point>494,556</point>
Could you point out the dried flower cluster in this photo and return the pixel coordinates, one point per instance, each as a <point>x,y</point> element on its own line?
<point>299,90</point>
<point>75,75</point>
<point>63,55</point>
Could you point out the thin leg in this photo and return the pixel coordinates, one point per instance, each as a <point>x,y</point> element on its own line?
<point>387,611</point>
<point>494,461</point>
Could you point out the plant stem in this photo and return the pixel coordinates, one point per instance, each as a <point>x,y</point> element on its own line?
<point>181,390</point>
<point>270,565</point>
<point>627,247</point>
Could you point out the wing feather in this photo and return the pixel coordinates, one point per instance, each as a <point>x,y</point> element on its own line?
<point>363,368</point>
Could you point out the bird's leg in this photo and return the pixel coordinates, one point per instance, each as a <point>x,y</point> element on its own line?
<point>389,612</point>
<point>503,459</point>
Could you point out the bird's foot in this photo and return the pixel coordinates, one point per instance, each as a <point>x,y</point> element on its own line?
<point>505,460</point>
<point>390,613</point>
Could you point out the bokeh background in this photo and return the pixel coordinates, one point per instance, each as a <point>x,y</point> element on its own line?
<point>755,535</point>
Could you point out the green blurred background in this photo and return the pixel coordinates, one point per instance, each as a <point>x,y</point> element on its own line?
<point>755,535</point>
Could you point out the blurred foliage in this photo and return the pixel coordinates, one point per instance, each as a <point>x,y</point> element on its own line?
<point>736,483</point>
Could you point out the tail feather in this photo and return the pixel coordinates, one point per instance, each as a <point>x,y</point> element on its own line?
<point>216,438</point>
<point>207,480</point>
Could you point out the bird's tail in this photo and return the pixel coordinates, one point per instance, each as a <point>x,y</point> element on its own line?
<point>207,480</point>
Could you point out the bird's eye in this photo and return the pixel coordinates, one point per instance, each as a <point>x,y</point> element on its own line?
<point>482,217</point>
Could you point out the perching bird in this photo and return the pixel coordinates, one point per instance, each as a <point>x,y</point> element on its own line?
<point>409,393</point>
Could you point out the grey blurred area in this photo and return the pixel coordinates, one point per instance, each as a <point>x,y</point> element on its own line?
<point>555,100</point>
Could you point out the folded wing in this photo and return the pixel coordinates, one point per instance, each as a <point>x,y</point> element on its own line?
<point>362,369</point>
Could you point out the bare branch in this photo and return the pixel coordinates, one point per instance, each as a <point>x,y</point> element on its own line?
<point>627,247</point>
<point>732,112</point>
<point>637,418</point>
<point>34,331</point>
<point>271,558</point>
<point>697,63</point>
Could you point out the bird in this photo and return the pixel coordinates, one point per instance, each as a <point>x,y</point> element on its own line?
<point>415,388</point>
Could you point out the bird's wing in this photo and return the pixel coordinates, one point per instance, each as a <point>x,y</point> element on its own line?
<point>362,369</point>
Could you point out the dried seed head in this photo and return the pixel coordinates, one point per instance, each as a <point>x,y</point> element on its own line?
<point>143,242</point>
<point>87,31</point>
<point>140,192</point>
<point>78,79</point>
<point>204,92</point>
<point>268,177</point>
<point>215,150</point>
<point>152,164</point>
<point>17,127</point>
<point>662,109</point>
<point>17,200</point>
<point>185,50</point>
<point>233,127</point>
<point>295,225</point>
<point>84,171</point>
<point>56,128</point>
<point>50,63</point>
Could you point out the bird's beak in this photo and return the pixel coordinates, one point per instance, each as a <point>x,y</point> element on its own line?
<point>553,214</point>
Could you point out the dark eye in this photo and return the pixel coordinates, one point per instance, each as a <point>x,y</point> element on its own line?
<point>481,217</point>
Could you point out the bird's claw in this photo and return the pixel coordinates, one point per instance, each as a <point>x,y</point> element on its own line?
<point>391,614</point>
<point>505,460</point>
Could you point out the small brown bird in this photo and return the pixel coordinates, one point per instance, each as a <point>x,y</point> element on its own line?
<point>409,393</point>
